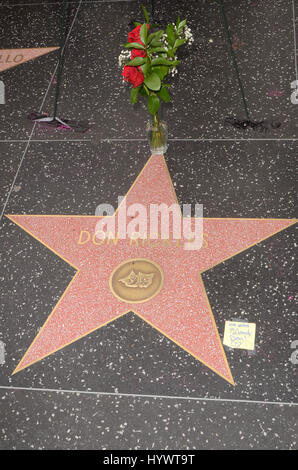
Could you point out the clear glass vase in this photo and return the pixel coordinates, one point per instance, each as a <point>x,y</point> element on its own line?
<point>157,133</point>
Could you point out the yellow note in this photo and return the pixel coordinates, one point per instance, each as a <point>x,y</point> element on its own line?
<point>240,335</point>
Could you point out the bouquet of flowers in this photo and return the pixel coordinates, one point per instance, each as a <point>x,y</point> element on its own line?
<point>152,57</point>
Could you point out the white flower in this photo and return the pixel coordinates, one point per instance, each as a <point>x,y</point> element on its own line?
<point>164,40</point>
<point>188,35</point>
<point>123,57</point>
<point>173,70</point>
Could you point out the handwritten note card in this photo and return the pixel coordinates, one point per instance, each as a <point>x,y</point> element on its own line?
<point>240,335</point>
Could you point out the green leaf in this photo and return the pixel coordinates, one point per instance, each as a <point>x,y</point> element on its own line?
<point>134,45</point>
<point>134,94</point>
<point>182,24</point>
<point>151,36</point>
<point>161,71</point>
<point>143,33</point>
<point>164,94</point>
<point>159,34</point>
<point>155,36</point>
<point>163,61</point>
<point>143,91</point>
<point>136,61</point>
<point>145,14</point>
<point>178,22</point>
<point>179,42</point>
<point>136,23</point>
<point>157,44</point>
<point>145,68</point>
<point>153,104</point>
<point>171,35</point>
<point>158,49</point>
<point>153,81</point>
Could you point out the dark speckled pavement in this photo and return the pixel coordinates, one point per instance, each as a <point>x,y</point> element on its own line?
<point>126,386</point>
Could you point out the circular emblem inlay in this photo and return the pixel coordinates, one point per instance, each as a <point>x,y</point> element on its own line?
<point>136,280</point>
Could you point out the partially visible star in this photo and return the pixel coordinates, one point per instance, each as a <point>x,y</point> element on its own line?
<point>180,310</point>
<point>12,57</point>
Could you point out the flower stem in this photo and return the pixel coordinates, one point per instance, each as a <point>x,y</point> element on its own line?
<point>158,138</point>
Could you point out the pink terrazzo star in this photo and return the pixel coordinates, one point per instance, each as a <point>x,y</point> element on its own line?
<point>12,57</point>
<point>181,310</point>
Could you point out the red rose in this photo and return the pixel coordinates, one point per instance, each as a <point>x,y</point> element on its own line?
<point>134,35</point>
<point>137,53</point>
<point>133,75</point>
